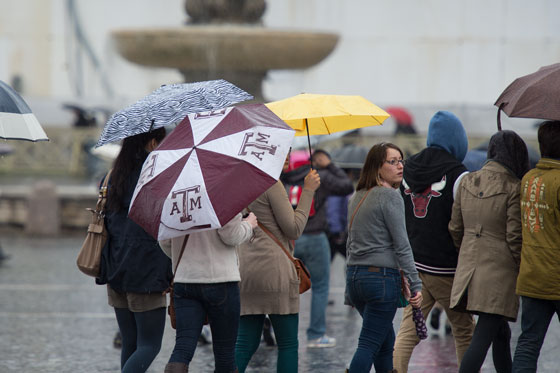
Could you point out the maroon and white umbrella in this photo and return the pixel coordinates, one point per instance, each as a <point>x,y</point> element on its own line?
<point>208,169</point>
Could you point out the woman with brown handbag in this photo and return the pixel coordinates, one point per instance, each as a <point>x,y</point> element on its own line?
<point>269,282</point>
<point>133,266</point>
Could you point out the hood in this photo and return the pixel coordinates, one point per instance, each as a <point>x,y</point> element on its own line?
<point>508,149</point>
<point>427,167</point>
<point>446,132</point>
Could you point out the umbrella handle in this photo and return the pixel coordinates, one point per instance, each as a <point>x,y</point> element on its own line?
<point>499,119</point>
<point>308,143</point>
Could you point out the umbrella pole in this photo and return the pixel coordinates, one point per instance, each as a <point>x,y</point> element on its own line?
<point>308,142</point>
<point>500,119</point>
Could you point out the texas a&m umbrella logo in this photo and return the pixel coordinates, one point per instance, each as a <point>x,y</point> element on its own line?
<point>210,167</point>
<point>258,146</point>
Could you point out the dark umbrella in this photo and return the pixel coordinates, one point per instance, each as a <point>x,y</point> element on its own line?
<point>419,323</point>
<point>349,156</point>
<point>168,105</point>
<point>536,95</point>
<point>17,122</point>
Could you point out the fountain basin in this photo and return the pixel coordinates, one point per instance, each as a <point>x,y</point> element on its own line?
<point>224,48</point>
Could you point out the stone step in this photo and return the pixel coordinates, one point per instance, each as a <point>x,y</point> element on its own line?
<point>44,208</point>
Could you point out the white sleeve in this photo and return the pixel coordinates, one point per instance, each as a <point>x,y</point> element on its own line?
<point>457,183</point>
<point>236,231</point>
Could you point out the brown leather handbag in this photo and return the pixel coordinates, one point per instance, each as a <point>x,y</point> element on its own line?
<point>89,258</point>
<point>302,272</point>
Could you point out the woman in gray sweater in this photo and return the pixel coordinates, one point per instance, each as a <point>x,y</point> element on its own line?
<point>377,248</point>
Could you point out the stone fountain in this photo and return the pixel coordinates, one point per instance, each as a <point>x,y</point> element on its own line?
<point>225,39</point>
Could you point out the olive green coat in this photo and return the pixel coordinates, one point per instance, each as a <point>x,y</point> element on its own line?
<point>539,276</point>
<point>269,281</point>
<point>486,225</point>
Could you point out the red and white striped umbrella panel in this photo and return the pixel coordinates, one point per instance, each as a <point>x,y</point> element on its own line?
<point>210,168</point>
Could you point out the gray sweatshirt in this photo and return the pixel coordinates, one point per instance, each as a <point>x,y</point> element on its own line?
<point>378,235</point>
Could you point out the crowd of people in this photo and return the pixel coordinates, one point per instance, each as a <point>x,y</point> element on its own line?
<point>472,242</point>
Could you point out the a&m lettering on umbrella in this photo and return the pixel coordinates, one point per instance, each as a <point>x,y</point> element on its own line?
<point>186,206</point>
<point>148,169</point>
<point>209,114</point>
<point>260,143</point>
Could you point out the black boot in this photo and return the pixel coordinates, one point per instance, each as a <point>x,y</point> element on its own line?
<point>117,340</point>
<point>267,333</point>
<point>176,368</point>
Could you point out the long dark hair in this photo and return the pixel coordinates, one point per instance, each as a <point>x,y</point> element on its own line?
<point>132,155</point>
<point>377,155</point>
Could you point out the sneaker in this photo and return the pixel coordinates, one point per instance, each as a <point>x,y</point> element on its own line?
<point>322,342</point>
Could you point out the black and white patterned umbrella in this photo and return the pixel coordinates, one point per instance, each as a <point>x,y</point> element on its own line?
<point>17,122</point>
<point>168,105</point>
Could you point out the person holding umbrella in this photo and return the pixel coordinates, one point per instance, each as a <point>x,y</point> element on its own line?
<point>206,286</point>
<point>133,266</point>
<point>269,282</point>
<point>377,248</point>
<point>312,247</point>
<point>486,228</point>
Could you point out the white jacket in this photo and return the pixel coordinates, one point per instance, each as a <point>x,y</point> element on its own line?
<point>210,256</point>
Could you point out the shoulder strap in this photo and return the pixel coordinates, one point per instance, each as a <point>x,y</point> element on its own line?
<point>276,240</point>
<point>181,254</point>
<point>357,208</point>
<point>265,230</point>
<point>170,288</point>
<point>102,199</point>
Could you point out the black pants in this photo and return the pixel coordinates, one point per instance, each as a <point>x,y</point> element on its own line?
<point>490,329</point>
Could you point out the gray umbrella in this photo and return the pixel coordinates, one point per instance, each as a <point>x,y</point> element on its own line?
<point>349,156</point>
<point>168,105</point>
<point>17,122</point>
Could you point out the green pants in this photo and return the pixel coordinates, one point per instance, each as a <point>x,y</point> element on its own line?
<point>286,333</point>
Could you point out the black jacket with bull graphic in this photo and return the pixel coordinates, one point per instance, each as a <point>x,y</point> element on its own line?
<point>427,190</point>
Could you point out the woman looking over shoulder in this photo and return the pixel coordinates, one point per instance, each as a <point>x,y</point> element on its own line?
<point>269,282</point>
<point>377,248</point>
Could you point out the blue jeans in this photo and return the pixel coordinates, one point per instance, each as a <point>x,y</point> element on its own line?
<point>193,303</point>
<point>315,252</point>
<point>374,294</point>
<point>535,319</point>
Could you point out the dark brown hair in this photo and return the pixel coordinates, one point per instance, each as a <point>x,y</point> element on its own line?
<point>132,155</point>
<point>369,176</point>
<point>549,139</point>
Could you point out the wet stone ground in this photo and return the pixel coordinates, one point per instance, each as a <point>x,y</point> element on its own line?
<point>55,319</point>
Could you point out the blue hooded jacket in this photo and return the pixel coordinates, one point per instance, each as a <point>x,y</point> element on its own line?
<point>446,132</point>
<point>427,190</point>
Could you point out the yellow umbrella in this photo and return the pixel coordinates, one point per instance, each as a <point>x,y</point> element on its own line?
<point>315,114</point>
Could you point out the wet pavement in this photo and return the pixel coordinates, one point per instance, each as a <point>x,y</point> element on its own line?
<point>55,319</point>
